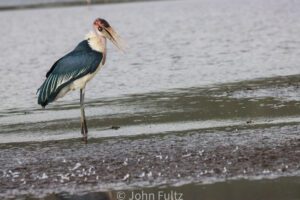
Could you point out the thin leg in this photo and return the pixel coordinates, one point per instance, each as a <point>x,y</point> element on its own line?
<point>84,129</point>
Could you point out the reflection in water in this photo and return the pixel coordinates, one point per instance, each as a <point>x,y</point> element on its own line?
<point>90,196</point>
<point>277,189</point>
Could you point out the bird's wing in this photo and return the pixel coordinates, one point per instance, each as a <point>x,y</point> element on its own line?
<point>81,50</point>
<point>74,65</point>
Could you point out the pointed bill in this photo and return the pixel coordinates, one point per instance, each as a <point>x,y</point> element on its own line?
<point>112,35</point>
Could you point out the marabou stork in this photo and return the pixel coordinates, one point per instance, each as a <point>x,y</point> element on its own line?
<point>75,69</point>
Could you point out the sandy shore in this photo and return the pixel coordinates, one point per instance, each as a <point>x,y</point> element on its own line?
<point>193,156</point>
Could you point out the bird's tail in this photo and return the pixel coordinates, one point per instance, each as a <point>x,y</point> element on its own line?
<point>48,91</point>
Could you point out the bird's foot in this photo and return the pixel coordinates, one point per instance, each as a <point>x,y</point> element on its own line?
<point>84,139</point>
<point>85,127</point>
<point>84,131</point>
<point>84,135</point>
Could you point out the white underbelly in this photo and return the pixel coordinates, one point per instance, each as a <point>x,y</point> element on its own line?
<point>78,84</point>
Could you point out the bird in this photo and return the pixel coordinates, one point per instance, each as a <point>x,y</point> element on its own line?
<point>74,70</point>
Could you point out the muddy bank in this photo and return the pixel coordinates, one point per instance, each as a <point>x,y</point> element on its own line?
<point>193,135</point>
<point>192,156</point>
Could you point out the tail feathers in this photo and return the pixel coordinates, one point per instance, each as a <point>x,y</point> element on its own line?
<point>48,91</point>
<point>54,84</point>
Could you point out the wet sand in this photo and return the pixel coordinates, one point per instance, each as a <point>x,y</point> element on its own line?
<point>178,158</point>
<point>198,149</point>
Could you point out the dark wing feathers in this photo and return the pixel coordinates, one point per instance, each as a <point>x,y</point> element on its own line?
<point>76,64</point>
<point>81,47</point>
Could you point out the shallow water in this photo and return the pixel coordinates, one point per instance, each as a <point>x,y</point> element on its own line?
<point>185,44</point>
<point>278,189</point>
<point>260,102</point>
<point>219,43</point>
<point>228,72</point>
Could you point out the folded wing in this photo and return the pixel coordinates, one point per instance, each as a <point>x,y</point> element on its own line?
<point>76,64</point>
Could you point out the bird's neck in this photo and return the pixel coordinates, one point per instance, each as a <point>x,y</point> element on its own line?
<point>96,42</point>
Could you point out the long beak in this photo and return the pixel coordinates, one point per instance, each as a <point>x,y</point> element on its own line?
<point>112,35</point>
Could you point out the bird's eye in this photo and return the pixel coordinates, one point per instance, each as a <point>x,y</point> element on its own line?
<point>100,28</point>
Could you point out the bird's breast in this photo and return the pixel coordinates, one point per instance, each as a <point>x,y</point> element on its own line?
<point>81,82</point>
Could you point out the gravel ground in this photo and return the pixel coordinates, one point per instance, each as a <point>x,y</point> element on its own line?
<point>192,156</point>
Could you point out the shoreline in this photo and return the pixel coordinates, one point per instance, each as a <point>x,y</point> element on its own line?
<point>165,159</point>
<point>65,4</point>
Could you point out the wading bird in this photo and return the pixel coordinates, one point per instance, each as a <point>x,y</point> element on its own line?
<point>78,67</point>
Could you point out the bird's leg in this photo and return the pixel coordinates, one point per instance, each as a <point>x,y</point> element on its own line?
<point>85,126</point>
<point>82,113</point>
<point>84,130</point>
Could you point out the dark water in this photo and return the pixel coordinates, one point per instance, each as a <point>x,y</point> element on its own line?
<point>277,189</point>
<point>30,4</point>
<point>5,3</point>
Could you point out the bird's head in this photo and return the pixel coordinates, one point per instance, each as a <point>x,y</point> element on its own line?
<point>103,29</point>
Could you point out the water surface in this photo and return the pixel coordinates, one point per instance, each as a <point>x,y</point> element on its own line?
<point>213,76</point>
<point>177,44</point>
